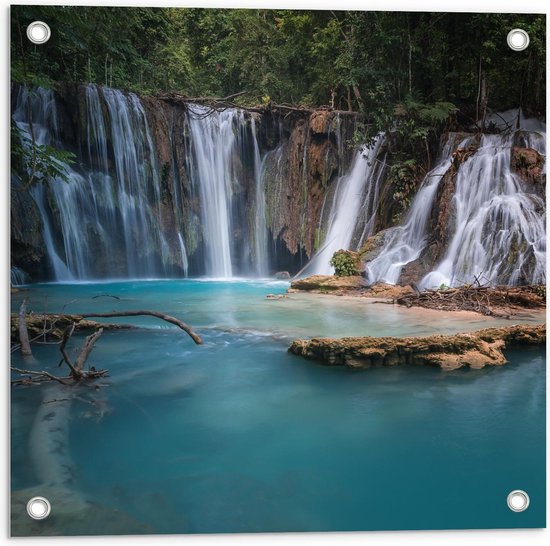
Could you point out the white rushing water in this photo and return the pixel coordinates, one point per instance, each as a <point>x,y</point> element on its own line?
<point>406,242</point>
<point>497,229</point>
<point>213,141</point>
<point>499,233</point>
<point>260,258</point>
<point>356,197</point>
<point>96,214</point>
<point>111,218</point>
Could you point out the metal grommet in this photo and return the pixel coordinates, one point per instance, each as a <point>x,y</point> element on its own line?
<point>38,32</point>
<point>39,508</point>
<point>518,39</point>
<point>518,501</point>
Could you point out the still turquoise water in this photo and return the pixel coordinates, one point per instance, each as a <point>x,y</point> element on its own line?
<point>237,435</point>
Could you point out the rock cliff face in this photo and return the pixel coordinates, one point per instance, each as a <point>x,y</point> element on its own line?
<point>28,251</point>
<point>299,178</point>
<point>293,159</point>
<point>165,188</point>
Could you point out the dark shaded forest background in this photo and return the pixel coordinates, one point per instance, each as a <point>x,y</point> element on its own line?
<point>361,61</point>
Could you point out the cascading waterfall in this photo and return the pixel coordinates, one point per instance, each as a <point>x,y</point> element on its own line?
<point>17,276</point>
<point>213,142</point>
<point>183,252</point>
<point>99,216</point>
<point>122,214</point>
<point>406,242</point>
<point>137,176</point>
<point>498,229</point>
<point>500,233</point>
<point>356,196</point>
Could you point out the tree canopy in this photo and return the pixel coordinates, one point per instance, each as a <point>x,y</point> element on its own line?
<point>361,61</point>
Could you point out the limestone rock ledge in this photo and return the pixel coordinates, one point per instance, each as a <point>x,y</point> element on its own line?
<point>449,352</point>
<point>352,286</point>
<point>327,283</point>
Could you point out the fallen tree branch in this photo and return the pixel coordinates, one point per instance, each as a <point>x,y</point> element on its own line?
<point>39,375</point>
<point>167,318</point>
<point>66,336</point>
<point>86,350</point>
<point>498,301</point>
<point>220,104</point>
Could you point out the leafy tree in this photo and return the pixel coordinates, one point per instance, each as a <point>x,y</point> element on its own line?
<point>355,60</point>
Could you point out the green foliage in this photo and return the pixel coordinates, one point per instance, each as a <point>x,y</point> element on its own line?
<point>424,64</point>
<point>41,163</point>
<point>345,263</point>
<point>403,177</point>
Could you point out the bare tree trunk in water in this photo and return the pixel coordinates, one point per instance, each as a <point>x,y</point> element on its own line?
<point>23,333</point>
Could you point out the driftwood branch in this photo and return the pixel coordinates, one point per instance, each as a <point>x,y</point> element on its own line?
<point>220,104</point>
<point>66,336</point>
<point>167,318</point>
<point>38,377</point>
<point>23,333</point>
<point>86,350</point>
<point>78,374</point>
<point>498,301</point>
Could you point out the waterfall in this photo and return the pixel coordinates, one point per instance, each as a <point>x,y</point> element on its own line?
<point>407,241</point>
<point>17,276</point>
<point>499,232</point>
<point>497,227</point>
<point>137,176</point>
<point>355,202</point>
<point>202,201</point>
<point>260,228</point>
<point>213,142</point>
<point>183,252</point>
<point>100,223</point>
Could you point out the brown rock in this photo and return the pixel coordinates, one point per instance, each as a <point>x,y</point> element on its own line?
<point>374,245</point>
<point>320,121</point>
<point>327,283</point>
<point>448,352</point>
<point>529,165</point>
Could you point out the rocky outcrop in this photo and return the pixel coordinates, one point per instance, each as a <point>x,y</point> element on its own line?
<point>27,242</point>
<point>348,286</point>
<point>298,176</point>
<point>528,164</point>
<point>323,284</point>
<point>448,352</point>
<point>373,245</point>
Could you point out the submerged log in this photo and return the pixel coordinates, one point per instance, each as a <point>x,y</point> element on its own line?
<point>449,352</point>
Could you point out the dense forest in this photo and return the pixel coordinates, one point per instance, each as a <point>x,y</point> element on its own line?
<point>426,64</point>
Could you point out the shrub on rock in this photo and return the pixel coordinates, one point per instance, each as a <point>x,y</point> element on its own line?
<point>346,263</point>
